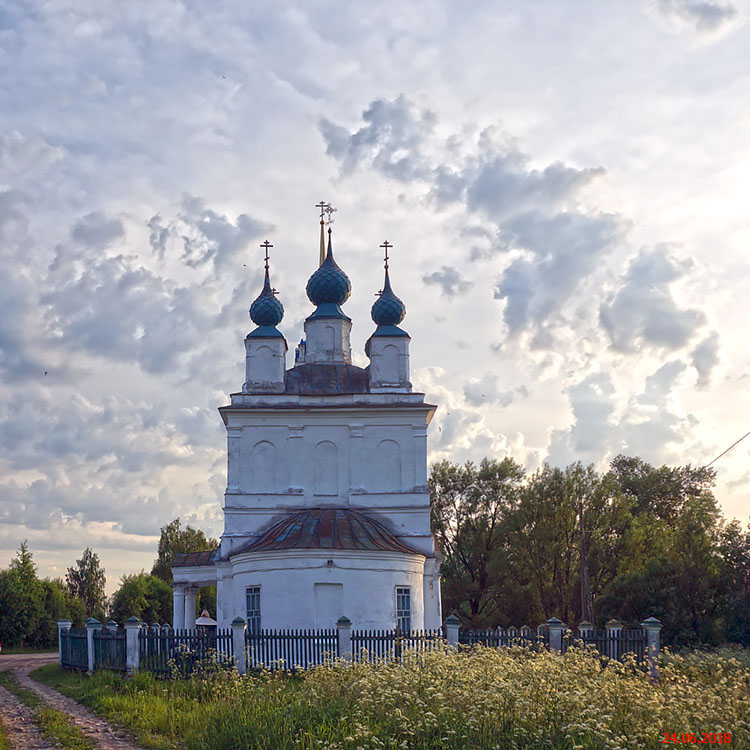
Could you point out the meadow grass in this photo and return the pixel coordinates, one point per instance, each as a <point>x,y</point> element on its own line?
<point>442,700</point>
<point>55,725</point>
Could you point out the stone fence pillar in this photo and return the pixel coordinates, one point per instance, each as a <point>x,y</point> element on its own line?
<point>344,627</point>
<point>62,625</point>
<point>556,630</point>
<point>614,630</point>
<point>452,625</point>
<point>132,653</point>
<point>92,625</point>
<point>652,626</point>
<point>238,644</point>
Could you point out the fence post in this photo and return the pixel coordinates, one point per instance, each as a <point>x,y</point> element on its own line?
<point>111,625</point>
<point>62,625</point>
<point>614,629</point>
<point>132,653</point>
<point>652,626</point>
<point>556,630</point>
<point>344,627</point>
<point>238,644</point>
<point>92,624</point>
<point>452,624</point>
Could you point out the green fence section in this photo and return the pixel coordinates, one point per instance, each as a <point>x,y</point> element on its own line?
<point>110,649</point>
<point>179,653</point>
<point>74,648</point>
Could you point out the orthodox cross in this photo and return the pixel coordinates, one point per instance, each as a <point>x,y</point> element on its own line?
<point>322,206</point>
<point>329,209</point>
<point>385,247</point>
<point>266,245</point>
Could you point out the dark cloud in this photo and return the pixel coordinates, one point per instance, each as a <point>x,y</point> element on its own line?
<point>643,312</point>
<point>705,357</point>
<point>97,230</point>
<point>704,16</point>
<point>449,280</point>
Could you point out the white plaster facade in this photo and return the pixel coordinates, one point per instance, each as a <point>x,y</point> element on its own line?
<point>323,434</point>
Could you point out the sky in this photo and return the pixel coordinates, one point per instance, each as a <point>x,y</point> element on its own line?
<point>565,185</point>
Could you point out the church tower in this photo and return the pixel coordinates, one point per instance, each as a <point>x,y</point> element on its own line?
<point>327,510</point>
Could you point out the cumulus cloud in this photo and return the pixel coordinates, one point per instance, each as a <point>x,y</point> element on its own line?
<point>449,280</point>
<point>705,357</point>
<point>532,210</point>
<point>486,390</point>
<point>561,251</point>
<point>644,312</point>
<point>390,141</point>
<point>206,237</point>
<point>97,230</point>
<point>706,17</point>
<point>591,434</point>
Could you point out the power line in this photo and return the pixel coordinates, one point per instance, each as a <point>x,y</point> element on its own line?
<point>728,449</point>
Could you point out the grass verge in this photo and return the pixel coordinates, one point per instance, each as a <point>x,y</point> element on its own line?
<point>4,742</point>
<point>443,700</point>
<point>55,725</point>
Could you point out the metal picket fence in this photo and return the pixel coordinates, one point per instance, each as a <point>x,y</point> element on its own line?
<point>290,649</point>
<point>372,645</point>
<point>167,652</point>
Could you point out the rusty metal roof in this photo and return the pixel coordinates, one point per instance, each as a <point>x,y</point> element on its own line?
<point>327,528</point>
<point>326,378</point>
<point>189,559</point>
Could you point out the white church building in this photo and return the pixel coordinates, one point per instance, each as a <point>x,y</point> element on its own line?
<point>326,509</point>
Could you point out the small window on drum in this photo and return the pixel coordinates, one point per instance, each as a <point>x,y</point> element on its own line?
<point>403,609</point>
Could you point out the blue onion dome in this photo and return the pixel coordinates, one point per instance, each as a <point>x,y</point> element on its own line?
<point>329,284</point>
<point>388,309</point>
<point>266,310</point>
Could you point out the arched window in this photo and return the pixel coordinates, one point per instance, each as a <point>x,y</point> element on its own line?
<point>326,469</point>
<point>387,468</point>
<point>264,468</point>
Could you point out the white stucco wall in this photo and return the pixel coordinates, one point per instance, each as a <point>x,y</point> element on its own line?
<point>288,579</point>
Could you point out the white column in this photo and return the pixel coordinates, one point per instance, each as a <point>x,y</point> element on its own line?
<point>178,607</point>
<point>190,594</point>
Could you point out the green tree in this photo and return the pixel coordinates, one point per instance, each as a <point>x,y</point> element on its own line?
<point>58,604</point>
<point>21,600</point>
<point>469,508</point>
<point>86,581</point>
<point>144,596</point>
<point>174,541</point>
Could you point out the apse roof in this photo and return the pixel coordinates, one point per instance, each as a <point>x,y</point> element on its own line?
<point>189,559</point>
<point>327,528</point>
